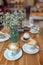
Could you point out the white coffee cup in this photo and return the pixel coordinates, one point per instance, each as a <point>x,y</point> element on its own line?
<point>33,29</point>
<point>12,53</point>
<point>32,44</point>
<point>26,35</point>
<point>13,49</point>
<point>31,47</point>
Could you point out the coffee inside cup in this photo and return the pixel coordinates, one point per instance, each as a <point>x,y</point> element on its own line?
<point>13,46</point>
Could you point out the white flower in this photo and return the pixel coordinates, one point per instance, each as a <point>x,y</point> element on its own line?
<point>13,19</point>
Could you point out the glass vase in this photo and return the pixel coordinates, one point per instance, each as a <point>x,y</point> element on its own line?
<point>14,34</point>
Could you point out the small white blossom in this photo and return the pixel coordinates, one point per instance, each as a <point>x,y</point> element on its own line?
<point>13,19</point>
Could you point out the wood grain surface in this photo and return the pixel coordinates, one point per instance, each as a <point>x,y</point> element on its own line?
<point>26,59</point>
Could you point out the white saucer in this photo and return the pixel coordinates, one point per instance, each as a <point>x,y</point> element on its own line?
<point>30,51</point>
<point>11,58</point>
<point>34,32</point>
<point>24,39</point>
<point>7,36</point>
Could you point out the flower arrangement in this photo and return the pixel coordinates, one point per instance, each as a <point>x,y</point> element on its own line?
<point>14,19</point>
<point>11,20</point>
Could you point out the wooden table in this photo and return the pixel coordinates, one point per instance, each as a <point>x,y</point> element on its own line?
<point>26,59</point>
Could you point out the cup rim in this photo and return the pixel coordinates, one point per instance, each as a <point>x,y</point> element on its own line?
<point>14,44</point>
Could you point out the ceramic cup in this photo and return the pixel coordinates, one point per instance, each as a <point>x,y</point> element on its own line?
<point>12,53</point>
<point>13,49</point>
<point>33,29</point>
<point>26,36</point>
<point>32,44</point>
<point>31,47</point>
